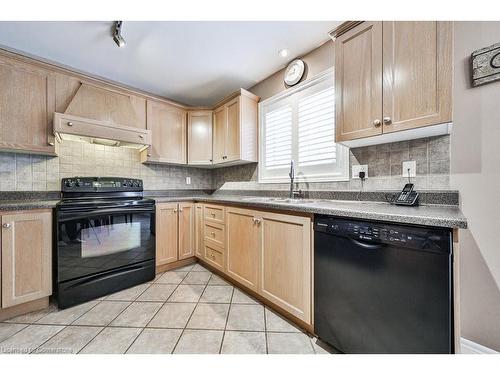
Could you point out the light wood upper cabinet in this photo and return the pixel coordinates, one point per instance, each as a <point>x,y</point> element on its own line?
<point>235,129</point>
<point>233,139</point>
<point>392,76</point>
<point>219,134</point>
<point>186,230</point>
<point>27,105</point>
<point>167,238</point>
<point>168,125</point>
<point>417,74</point>
<point>358,82</point>
<point>199,137</point>
<point>286,263</point>
<point>243,246</point>
<point>26,256</point>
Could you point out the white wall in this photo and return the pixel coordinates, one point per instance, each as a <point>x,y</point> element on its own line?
<point>475,172</point>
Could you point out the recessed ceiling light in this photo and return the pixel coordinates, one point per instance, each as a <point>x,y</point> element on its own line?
<point>283,52</point>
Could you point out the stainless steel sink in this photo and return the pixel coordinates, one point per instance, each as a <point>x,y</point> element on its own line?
<point>255,199</point>
<point>279,200</point>
<point>294,200</point>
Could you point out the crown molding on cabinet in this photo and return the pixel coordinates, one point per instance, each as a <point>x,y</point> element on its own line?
<point>87,77</point>
<point>343,28</point>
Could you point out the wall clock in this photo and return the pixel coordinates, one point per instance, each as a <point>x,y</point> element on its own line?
<point>294,72</point>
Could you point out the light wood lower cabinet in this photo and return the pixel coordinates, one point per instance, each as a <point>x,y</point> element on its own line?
<point>199,222</point>
<point>167,223</point>
<point>285,277</point>
<point>186,230</point>
<point>267,252</point>
<point>243,246</point>
<point>214,256</point>
<point>26,256</point>
<point>174,232</point>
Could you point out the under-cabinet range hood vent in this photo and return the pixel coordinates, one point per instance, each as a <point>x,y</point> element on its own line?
<point>101,117</point>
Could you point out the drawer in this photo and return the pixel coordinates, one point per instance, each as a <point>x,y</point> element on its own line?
<point>214,257</point>
<point>214,232</point>
<point>214,213</point>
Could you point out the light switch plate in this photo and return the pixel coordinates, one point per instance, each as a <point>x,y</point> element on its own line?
<point>359,168</point>
<point>409,165</point>
<point>188,180</point>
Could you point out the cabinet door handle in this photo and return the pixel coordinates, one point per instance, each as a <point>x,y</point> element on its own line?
<point>6,225</point>
<point>180,210</point>
<point>70,123</point>
<point>212,233</point>
<point>377,123</point>
<point>175,209</point>
<point>387,120</point>
<point>141,136</point>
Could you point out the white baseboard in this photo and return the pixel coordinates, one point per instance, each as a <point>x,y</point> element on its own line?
<point>471,347</point>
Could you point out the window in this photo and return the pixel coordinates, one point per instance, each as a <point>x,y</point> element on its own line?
<point>299,125</point>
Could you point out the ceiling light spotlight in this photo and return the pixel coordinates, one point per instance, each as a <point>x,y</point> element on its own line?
<point>117,35</point>
<point>283,52</point>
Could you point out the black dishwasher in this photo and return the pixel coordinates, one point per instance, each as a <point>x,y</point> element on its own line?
<point>383,288</point>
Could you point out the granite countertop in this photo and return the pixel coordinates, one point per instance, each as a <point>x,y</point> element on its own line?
<point>26,204</point>
<point>428,215</point>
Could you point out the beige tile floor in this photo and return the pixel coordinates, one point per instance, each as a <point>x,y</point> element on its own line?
<point>187,310</point>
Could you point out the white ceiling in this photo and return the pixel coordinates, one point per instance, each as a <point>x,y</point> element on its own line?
<point>195,63</point>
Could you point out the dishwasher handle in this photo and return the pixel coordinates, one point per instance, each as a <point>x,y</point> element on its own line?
<point>367,245</point>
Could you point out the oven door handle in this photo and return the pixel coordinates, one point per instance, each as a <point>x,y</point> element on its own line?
<point>83,214</point>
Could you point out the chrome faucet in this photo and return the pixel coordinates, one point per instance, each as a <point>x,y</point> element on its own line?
<point>293,193</point>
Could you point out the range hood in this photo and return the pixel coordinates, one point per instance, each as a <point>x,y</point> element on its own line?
<point>101,117</point>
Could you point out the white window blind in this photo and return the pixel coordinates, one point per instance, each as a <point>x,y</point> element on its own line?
<point>299,125</point>
<point>279,137</point>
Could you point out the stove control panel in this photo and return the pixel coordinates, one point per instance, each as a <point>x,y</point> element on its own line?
<point>97,184</point>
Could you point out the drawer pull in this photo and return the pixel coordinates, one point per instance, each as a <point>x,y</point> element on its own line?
<point>213,214</point>
<point>70,123</point>
<point>212,233</point>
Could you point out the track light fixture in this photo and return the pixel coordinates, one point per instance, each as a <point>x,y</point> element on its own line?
<point>117,36</point>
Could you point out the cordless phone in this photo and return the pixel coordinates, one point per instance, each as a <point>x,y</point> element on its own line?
<point>407,197</point>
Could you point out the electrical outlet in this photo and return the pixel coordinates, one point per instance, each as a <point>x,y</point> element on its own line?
<point>188,180</point>
<point>359,168</point>
<point>410,166</point>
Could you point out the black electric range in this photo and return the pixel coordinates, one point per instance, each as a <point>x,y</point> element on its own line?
<point>105,232</point>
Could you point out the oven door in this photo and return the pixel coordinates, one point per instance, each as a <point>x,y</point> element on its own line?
<point>94,241</point>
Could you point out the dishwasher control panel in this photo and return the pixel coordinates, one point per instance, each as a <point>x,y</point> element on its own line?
<point>421,238</point>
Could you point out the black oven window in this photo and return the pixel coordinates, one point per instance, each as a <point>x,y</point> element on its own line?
<point>95,244</point>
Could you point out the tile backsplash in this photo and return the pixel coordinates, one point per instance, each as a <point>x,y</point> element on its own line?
<point>23,172</point>
<point>432,156</point>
